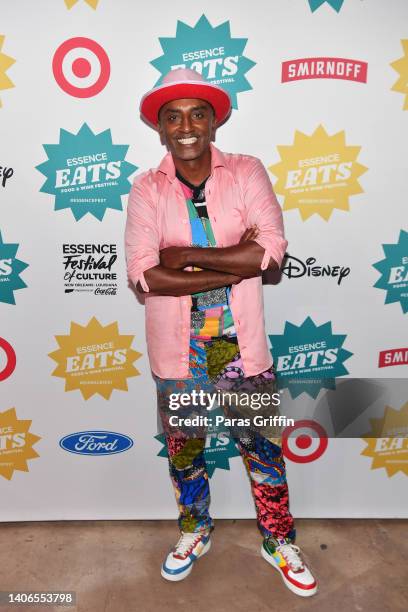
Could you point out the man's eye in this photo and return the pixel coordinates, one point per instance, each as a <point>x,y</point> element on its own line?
<point>198,115</point>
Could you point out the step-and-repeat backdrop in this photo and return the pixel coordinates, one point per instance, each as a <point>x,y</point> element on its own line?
<point>320,95</point>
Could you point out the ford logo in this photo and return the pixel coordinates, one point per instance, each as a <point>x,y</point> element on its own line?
<point>96,442</point>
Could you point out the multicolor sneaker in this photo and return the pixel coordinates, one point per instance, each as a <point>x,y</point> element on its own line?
<point>180,560</point>
<point>284,556</point>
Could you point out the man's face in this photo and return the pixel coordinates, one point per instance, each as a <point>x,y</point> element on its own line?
<point>187,127</point>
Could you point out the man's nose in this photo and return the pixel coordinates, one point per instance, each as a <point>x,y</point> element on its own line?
<point>185,123</point>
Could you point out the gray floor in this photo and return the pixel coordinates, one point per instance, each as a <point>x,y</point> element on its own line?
<point>114,566</point>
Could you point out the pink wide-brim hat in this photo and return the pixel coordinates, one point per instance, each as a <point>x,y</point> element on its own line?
<point>184,83</point>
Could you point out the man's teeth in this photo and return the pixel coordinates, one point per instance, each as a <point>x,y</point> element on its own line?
<point>187,141</point>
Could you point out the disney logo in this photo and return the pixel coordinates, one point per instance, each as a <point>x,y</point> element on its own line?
<point>296,268</point>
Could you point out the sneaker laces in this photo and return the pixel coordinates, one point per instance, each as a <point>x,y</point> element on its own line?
<point>290,553</point>
<point>186,543</point>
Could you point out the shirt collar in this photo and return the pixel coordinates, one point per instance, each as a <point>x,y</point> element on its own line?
<point>167,165</point>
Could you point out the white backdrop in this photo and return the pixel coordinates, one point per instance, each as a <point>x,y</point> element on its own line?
<point>135,484</point>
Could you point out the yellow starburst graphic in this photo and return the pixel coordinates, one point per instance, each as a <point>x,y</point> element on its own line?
<point>5,63</point>
<point>16,443</point>
<point>92,3</point>
<point>383,444</point>
<point>318,173</point>
<point>95,359</point>
<point>401,66</point>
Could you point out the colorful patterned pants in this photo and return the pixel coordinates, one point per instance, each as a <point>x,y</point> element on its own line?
<point>217,366</point>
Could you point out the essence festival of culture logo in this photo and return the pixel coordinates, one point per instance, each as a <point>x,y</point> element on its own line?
<point>304,442</point>
<point>394,272</point>
<point>5,174</point>
<point>92,3</point>
<point>401,66</point>
<point>293,267</point>
<point>96,443</point>
<point>318,173</point>
<point>324,68</point>
<point>81,67</point>
<point>219,447</point>
<point>86,172</point>
<point>211,51</point>
<point>95,359</point>
<point>5,63</point>
<point>386,449</point>
<point>8,359</point>
<point>335,4</point>
<point>16,443</point>
<point>10,270</point>
<point>90,268</point>
<point>393,357</point>
<point>308,357</point>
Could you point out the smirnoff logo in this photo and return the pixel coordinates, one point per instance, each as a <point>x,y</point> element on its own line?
<point>324,68</point>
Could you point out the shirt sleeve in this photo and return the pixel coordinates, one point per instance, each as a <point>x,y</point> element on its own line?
<point>264,211</point>
<point>141,233</point>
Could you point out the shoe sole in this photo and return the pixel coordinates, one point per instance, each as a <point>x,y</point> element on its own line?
<point>288,584</point>
<point>182,575</point>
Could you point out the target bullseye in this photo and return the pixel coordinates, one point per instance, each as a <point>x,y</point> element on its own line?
<point>81,67</point>
<point>8,352</point>
<point>304,442</point>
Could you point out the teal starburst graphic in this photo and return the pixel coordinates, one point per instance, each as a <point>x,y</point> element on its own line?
<point>208,50</point>
<point>308,357</point>
<point>336,4</point>
<point>394,272</point>
<point>10,270</point>
<point>86,172</point>
<point>219,448</point>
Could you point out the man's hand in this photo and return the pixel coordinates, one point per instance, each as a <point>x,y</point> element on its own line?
<point>173,258</point>
<point>249,234</point>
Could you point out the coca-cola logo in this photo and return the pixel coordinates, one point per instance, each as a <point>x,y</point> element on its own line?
<point>296,268</point>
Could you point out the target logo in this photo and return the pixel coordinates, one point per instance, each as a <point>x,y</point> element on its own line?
<point>7,359</point>
<point>300,444</point>
<point>81,67</point>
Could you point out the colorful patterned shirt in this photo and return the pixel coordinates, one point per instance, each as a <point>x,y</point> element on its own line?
<point>211,316</point>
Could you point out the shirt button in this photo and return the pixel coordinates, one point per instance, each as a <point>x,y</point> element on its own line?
<point>146,229</point>
<point>184,221</point>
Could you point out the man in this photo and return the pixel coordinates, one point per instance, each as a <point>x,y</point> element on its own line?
<point>200,230</point>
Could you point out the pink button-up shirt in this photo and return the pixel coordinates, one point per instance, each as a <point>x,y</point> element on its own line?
<point>239,195</point>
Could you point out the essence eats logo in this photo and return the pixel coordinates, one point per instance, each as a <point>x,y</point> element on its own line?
<point>81,67</point>
<point>86,172</point>
<point>95,359</point>
<point>211,51</point>
<point>308,357</point>
<point>5,63</point>
<point>8,359</point>
<point>96,443</point>
<point>393,357</point>
<point>318,173</point>
<point>293,267</point>
<point>401,66</point>
<point>324,68</point>
<point>335,4</point>
<point>92,3</point>
<point>10,270</point>
<point>90,268</point>
<point>387,442</point>
<point>394,272</point>
<point>16,444</point>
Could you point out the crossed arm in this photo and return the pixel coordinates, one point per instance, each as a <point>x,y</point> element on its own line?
<point>221,267</point>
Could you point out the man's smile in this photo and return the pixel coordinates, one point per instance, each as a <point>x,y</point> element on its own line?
<point>187,141</point>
